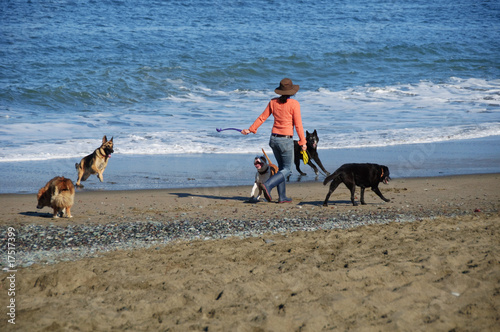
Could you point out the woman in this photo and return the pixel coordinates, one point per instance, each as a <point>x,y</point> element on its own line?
<point>286,113</point>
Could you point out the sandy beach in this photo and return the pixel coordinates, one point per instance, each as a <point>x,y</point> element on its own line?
<point>167,238</point>
<point>204,259</point>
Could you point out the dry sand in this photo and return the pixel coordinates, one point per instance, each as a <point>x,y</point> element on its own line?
<point>439,272</point>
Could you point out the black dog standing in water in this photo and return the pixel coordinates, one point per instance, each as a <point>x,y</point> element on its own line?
<point>312,145</point>
<point>362,175</point>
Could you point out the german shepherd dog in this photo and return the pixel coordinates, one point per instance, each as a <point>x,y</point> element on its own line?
<point>312,140</point>
<point>59,194</point>
<point>95,162</point>
<point>362,175</point>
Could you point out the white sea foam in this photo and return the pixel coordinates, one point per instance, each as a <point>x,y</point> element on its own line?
<point>165,143</point>
<point>366,116</point>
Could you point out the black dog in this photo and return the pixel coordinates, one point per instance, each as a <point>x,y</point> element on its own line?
<point>362,175</point>
<point>312,145</point>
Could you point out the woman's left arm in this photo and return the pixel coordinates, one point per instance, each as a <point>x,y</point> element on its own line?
<point>297,120</point>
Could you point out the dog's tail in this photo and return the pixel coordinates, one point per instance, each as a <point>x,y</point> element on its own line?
<point>330,178</point>
<point>67,185</point>
<point>62,199</point>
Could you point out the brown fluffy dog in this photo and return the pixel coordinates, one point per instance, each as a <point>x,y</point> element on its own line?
<point>59,194</point>
<point>95,162</point>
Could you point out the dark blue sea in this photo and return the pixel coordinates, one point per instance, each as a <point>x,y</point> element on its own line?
<point>160,77</point>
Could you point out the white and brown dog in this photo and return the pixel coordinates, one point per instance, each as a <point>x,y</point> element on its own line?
<point>263,173</point>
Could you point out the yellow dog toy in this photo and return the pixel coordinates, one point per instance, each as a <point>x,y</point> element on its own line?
<point>305,157</point>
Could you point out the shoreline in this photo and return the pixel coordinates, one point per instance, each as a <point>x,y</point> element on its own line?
<point>316,180</point>
<point>132,172</point>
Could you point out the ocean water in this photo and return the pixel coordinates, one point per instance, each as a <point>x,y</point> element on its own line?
<point>161,76</point>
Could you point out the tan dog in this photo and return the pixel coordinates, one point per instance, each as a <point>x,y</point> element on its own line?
<point>59,194</point>
<point>95,162</point>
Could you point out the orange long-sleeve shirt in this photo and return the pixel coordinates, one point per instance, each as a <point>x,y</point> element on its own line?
<point>286,116</point>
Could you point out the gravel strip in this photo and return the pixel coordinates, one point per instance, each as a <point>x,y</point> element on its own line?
<point>50,244</point>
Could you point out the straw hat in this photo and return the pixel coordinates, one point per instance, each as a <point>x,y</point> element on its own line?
<point>287,88</point>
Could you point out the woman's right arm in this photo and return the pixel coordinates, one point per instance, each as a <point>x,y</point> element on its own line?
<point>260,120</point>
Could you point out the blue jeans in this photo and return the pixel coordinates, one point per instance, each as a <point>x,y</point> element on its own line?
<point>283,152</point>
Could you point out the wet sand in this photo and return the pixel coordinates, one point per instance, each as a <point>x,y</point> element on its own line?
<point>135,172</point>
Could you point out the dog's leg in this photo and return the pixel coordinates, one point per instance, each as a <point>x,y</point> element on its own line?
<point>254,196</point>
<point>297,166</point>
<point>335,183</point>
<point>315,169</point>
<point>254,189</point>
<point>351,185</point>
<point>362,196</point>
<point>325,203</point>
<point>56,213</point>
<point>68,212</point>
<point>80,175</point>
<point>99,175</point>
<point>320,164</point>
<point>377,191</point>
<point>83,174</point>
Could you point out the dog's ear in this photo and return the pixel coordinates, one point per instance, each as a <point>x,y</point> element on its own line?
<point>111,140</point>
<point>315,132</point>
<point>104,139</point>
<point>307,132</point>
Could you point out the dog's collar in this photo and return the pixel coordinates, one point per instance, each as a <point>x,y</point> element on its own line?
<point>263,171</point>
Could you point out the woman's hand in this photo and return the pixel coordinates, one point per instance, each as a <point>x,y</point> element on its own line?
<point>245,131</point>
<point>304,147</point>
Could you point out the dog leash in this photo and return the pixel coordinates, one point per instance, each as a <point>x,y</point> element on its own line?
<point>220,129</point>
<point>274,168</point>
